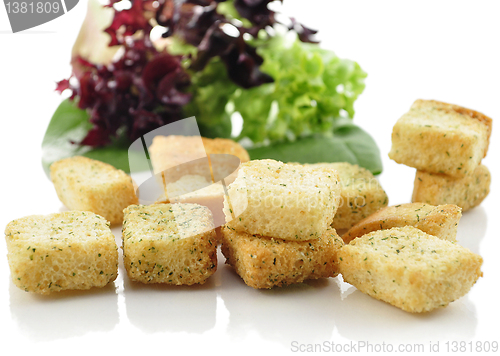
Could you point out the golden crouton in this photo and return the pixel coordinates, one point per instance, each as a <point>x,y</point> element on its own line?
<point>85,184</point>
<point>290,202</point>
<point>440,221</point>
<point>62,251</point>
<point>436,137</point>
<point>360,196</point>
<point>173,152</point>
<point>409,269</point>
<point>196,190</point>
<point>264,262</point>
<point>467,192</point>
<point>169,243</point>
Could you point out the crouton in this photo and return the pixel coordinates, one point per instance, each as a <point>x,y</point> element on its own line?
<point>85,184</point>
<point>440,221</point>
<point>436,137</point>
<point>196,190</point>
<point>360,196</point>
<point>187,155</point>
<point>61,251</point>
<point>169,243</point>
<point>289,202</point>
<point>265,262</point>
<point>467,192</point>
<point>409,269</point>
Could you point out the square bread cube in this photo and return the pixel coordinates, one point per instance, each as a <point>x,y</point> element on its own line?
<point>170,151</point>
<point>409,269</point>
<point>265,262</point>
<point>62,251</point>
<point>436,137</point>
<point>467,192</point>
<point>285,201</point>
<point>360,196</point>
<point>85,184</point>
<point>195,189</point>
<point>173,152</point>
<point>440,221</point>
<point>169,243</point>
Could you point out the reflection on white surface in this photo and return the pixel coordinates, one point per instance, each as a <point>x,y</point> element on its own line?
<point>155,308</point>
<point>309,312</point>
<point>158,308</point>
<point>298,312</point>
<point>360,317</point>
<point>64,314</point>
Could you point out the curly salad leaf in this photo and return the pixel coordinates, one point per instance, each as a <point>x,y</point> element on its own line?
<point>312,88</point>
<point>303,116</point>
<point>216,61</point>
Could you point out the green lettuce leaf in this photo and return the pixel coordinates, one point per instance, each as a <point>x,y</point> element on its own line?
<point>212,91</point>
<point>313,88</point>
<point>304,116</point>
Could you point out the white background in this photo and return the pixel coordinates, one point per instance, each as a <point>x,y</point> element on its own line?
<point>443,50</point>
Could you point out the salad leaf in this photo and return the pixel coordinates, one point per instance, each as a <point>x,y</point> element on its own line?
<point>211,91</point>
<point>127,82</point>
<point>312,89</point>
<point>141,91</point>
<point>68,126</point>
<point>360,143</point>
<point>215,60</point>
<point>348,143</point>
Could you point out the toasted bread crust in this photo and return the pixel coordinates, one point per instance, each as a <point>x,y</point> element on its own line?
<point>467,192</point>
<point>82,183</point>
<point>360,195</point>
<point>485,120</point>
<point>264,262</point>
<point>441,138</point>
<point>409,269</point>
<point>168,151</point>
<point>440,221</point>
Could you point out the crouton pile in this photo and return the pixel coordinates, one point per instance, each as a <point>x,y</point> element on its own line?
<point>446,144</point>
<point>280,221</point>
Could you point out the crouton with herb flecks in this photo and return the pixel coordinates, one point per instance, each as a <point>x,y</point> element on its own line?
<point>62,251</point>
<point>285,201</point>
<point>440,221</point>
<point>409,269</point>
<point>360,196</point>
<point>436,137</point>
<point>265,262</point>
<point>85,184</point>
<point>467,192</point>
<point>169,243</point>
